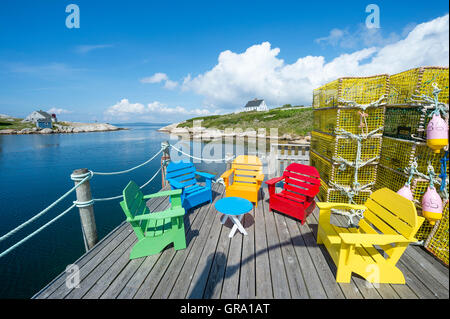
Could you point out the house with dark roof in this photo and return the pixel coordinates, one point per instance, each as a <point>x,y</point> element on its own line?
<point>256,105</point>
<point>41,118</point>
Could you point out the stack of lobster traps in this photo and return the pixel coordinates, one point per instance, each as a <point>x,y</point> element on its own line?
<point>346,141</point>
<point>407,114</point>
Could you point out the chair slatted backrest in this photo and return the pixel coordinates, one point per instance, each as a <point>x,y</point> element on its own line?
<point>246,168</point>
<point>300,181</point>
<point>133,205</point>
<point>182,172</point>
<point>390,213</point>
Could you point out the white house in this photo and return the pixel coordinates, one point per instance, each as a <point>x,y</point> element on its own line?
<point>41,118</point>
<point>256,105</point>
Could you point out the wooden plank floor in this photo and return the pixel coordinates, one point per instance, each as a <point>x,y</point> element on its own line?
<point>278,259</point>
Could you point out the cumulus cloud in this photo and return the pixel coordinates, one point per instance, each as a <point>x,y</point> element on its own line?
<point>260,72</point>
<point>58,111</point>
<point>161,77</point>
<point>154,111</point>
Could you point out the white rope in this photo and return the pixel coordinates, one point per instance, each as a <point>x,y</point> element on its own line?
<point>202,159</point>
<point>119,196</point>
<point>35,232</point>
<point>363,107</point>
<point>15,230</point>
<point>130,169</point>
<point>351,214</point>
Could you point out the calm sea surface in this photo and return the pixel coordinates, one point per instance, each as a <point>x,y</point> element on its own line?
<point>35,171</point>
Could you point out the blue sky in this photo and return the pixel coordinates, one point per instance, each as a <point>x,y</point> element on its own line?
<point>213,56</point>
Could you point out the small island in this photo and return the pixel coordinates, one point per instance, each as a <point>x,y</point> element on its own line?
<point>44,125</point>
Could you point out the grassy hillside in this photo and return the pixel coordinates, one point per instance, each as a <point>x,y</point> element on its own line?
<point>14,124</point>
<point>293,121</point>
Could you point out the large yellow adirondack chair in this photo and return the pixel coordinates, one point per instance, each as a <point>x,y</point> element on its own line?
<point>247,178</point>
<point>390,222</point>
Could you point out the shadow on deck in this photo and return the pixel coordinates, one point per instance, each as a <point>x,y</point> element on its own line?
<point>278,259</point>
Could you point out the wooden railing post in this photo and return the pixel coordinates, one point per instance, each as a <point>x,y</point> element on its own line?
<point>87,217</point>
<point>165,158</point>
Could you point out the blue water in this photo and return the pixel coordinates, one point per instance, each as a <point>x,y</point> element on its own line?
<point>35,170</point>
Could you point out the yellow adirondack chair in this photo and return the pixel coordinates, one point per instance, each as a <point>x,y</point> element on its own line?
<point>247,178</point>
<point>390,223</point>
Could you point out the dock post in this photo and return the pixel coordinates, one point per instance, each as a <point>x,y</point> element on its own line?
<point>229,160</point>
<point>86,209</point>
<point>165,158</point>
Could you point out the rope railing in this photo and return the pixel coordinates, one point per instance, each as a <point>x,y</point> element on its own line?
<point>130,169</point>
<point>201,158</point>
<point>15,230</point>
<point>81,179</point>
<point>35,232</point>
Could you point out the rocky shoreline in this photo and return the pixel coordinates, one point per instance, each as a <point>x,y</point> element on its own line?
<point>66,127</point>
<point>208,133</point>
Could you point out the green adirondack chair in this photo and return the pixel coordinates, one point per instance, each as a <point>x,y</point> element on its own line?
<point>154,230</point>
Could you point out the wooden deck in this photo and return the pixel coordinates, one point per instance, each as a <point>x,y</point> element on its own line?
<point>278,259</point>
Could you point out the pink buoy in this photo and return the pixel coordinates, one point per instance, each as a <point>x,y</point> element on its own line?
<point>405,191</point>
<point>432,206</point>
<point>437,133</point>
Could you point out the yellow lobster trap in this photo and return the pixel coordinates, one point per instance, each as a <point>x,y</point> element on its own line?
<point>437,242</point>
<point>331,195</point>
<point>349,119</point>
<point>330,172</point>
<point>394,180</point>
<point>405,122</point>
<point>332,146</point>
<point>418,81</point>
<point>399,154</point>
<point>361,90</point>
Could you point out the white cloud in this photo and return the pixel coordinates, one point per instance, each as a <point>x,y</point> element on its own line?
<point>154,111</point>
<point>160,77</point>
<point>170,84</point>
<point>124,107</point>
<point>58,111</point>
<point>360,37</point>
<point>83,49</point>
<point>259,72</point>
<point>155,78</point>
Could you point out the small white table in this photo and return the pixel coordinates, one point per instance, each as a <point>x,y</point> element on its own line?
<point>234,208</point>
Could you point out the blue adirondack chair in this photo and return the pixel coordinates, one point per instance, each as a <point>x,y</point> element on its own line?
<point>181,175</point>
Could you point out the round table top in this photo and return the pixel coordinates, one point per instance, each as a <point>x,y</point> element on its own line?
<point>233,205</point>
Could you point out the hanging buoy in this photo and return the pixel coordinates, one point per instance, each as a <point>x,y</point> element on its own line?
<point>405,191</point>
<point>437,133</point>
<point>432,205</point>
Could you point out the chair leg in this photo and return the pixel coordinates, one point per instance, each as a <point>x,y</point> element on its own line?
<point>344,275</point>
<point>319,240</point>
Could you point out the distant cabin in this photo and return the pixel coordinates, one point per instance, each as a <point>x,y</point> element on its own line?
<point>41,118</point>
<point>255,105</point>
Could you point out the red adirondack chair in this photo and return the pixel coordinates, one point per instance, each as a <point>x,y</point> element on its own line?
<point>301,185</point>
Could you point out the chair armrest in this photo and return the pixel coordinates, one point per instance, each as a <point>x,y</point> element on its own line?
<point>260,177</point>
<point>175,184</point>
<point>159,215</point>
<point>165,193</point>
<point>327,206</point>
<point>227,174</point>
<point>275,180</point>
<point>372,239</point>
<point>205,175</point>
